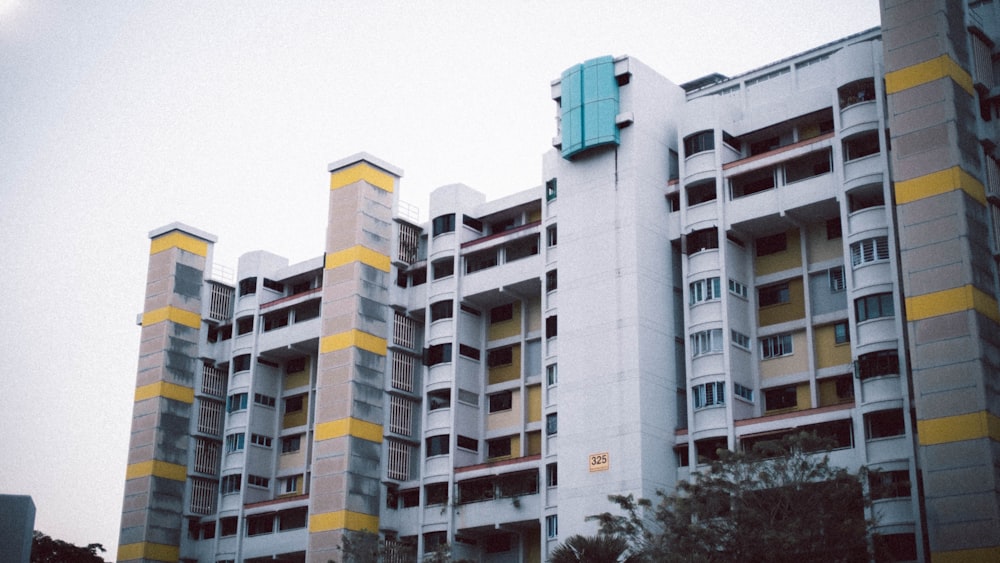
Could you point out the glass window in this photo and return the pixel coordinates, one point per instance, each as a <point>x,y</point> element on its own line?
<point>438,354</point>
<point>773,295</point>
<point>699,142</point>
<point>501,401</point>
<point>709,394</point>
<point>442,310</point>
<point>876,364</point>
<point>841,333</point>
<point>706,342</point>
<point>704,290</point>
<point>874,306</point>
<point>444,224</point>
<point>437,445</point>
<point>869,250</point>
<point>775,346</point>
<point>781,398</point>
<point>551,424</point>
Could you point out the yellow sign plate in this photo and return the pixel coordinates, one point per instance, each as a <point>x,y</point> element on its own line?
<point>599,462</point>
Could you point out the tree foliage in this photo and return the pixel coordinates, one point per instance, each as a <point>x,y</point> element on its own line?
<point>601,548</point>
<point>45,549</point>
<point>780,502</point>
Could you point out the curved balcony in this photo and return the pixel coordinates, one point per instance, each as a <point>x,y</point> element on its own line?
<point>862,168</point>
<point>439,374</point>
<point>880,389</point>
<point>443,245</point>
<point>872,274</point>
<point>703,261</point>
<point>893,511</point>
<point>699,164</point>
<point>888,449</point>
<point>877,330</point>
<point>707,364</point>
<point>441,329</point>
<point>706,311</point>
<point>865,220</point>
<point>437,465</point>
<point>858,117</point>
<point>708,421</point>
<point>702,215</point>
<point>437,419</point>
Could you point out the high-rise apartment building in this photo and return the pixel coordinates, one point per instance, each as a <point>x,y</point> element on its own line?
<point>807,246</point>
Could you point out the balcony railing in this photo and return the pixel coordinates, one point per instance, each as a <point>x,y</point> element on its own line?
<point>409,243</point>
<point>402,372</point>
<point>213,381</point>
<point>398,463</point>
<point>220,302</point>
<point>403,331</point>
<point>206,456</point>
<point>210,418</point>
<point>203,495</point>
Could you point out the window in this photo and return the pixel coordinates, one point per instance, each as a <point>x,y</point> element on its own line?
<point>704,290</point>
<point>443,268</point>
<point>501,401</point>
<point>752,182</point>
<point>856,92</point>
<point>409,498</point>
<point>292,519</point>
<point>263,400</point>
<point>863,198</point>
<point>773,295</point>
<point>291,444</point>
<point>502,313</point>
<point>231,484</point>
<point>235,442</point>
<point>551,280</point>
<point>227,526</point>
<point>781,398</point>
<point>705,239</point>
<point>444,224</point>
<point>706,342</point>
<point>499,447</point>
<point>701,192</point>
<point>241,363</point>
<point>467,443</point>
<point>764,145</point>
<point>440,399</point>
<point>472,223</point>
<point>738,289</point>
<point>673,202</point>
<point>442,310</point>
<point>699,142</point>
<point>244,325</point>
<point>874,306</point>
<point>274,286</point>
<point>468,351</point>
<point>248,286</point>
<point>260,440</point>
<point>772,244</point>
<point>438,354</point>
<point>876,364</point>
<point>296,365</point>
<point>552,475</point>
<point>860,146</point>
<point>743,392</point>
<point>833,229</point>
<point>709,394</point>
<point>236,402</point>
<point>294,404</point>
<point>437,445</point>
<point>776,346</point>
<point>522,248</point>
<point>869,250</point>
<point>291,484</point>
<point>258,481</point>
<point>552,374</point>
<point>552,526</point>
<point>841,333</point>
<point>500,356</point>
<point>551,236</point>
<point>890,484</point>
<point>808,166</point>
<point>552,326</point>
<point>884,424</point>
<point>837,282</point>
<point>551,424</point>
<point>435,493</point>
<point>550,189</point>
<point>740,340</point>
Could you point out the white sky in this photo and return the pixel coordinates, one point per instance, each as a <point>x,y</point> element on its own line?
<point>120,117</point>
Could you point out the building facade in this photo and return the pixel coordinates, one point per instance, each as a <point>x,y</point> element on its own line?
<point>807,246</point>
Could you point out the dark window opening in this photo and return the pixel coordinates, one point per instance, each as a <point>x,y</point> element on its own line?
<point>771,244</point>
<point>781,398</point>
<point>443,268</point>
<point>856,92</point>
<point>701,192</point>
<point>699,142</point>
<point>472,223</point>
<point>499,447</point>
<point>500,356</point>
<point>502,401</point>
<point>467,443</point>
<point>502,313</point>
<point>480,261</point>
<point>437,445</point>
<point>244,325</point>
<point>550,189</point>
<point>248,286</point>
<point>863,198</point>
<point>808,166</point>
<point>437,354</point>
<point>884,424</point>
<point>552,326</point>
<point>551,280</point>
<point>442,310</point>
<point>860,146</point>
<point>705,239</point>
<point>440,399</point>
<point>444,224</point>
<point>752,182</point>
<point>435,493</point>
<point>874,307</point>
<point>468,351</point>
<point>773,295</point>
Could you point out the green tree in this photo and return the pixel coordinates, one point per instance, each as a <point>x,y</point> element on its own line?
<point>780,502</point>
<point>45,549</point>
<point>601,548</point>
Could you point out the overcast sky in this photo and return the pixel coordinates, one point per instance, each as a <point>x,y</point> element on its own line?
<point>120,117</point>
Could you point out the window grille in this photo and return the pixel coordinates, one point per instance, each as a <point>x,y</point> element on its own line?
<point>210,417</point>
<point>206,456</point>
<point>400,415</point>
<point>203,495</point>
<point>220,302</point>
<point>213,381</point>
<point>409,238</point>
<point>402,372</point>
<point>399,460</point>
<point>403,331</point>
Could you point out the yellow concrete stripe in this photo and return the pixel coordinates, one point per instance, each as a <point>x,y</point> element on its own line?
<point>165,389</point>
<point>957,428</point>
<point>177,239</point>
<point>358,254</point>
<point>349,427</point>
<point>928,71</point>
<point>148,551</point>
<point>937,183</point>
<point>951,301</point>
<point>362,171</point>
<point>170,313</point>
<point>156,468</point>
<point>343,519</point>
<point>353,337</point>
<point>978,555</point>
